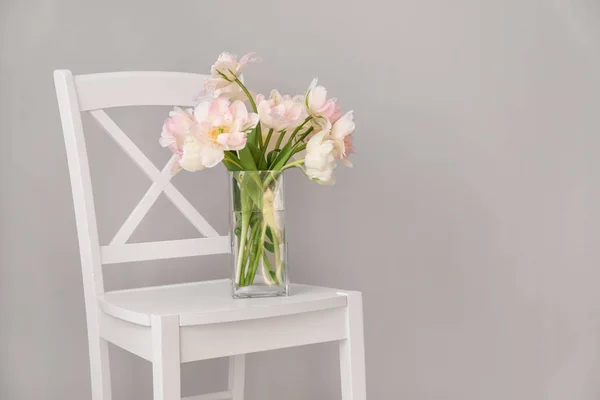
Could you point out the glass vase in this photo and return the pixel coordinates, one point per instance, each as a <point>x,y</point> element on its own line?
<point>258,234</point>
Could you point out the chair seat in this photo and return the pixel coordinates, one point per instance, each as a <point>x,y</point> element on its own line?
<point>210,302</point>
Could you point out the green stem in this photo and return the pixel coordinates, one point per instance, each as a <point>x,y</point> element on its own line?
<point>270,270</point>
<point>300,148</point>
<point>300,145</point>
<point>305,134</point>
<point>277,253</point>
<point>242,242</point>
<point>248,259</point>
<point>272,176</point>
<point>267,140</point>
<point>252,102</point>
<point>289,150</point>
<point>292,165</point>
<point>299,128</point>
<point>251,242</point>
<point>241,252</point>
<point>279,139</point>
<point>257,245</point>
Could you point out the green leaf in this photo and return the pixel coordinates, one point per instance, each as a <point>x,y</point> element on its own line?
<point>250,191</point>
<point>251,138</point>
<point>231,162</point>
<point>237,204</point>
<point>283,157</point>
<point>258,135</point>
<point>269,247</point>
<point>259,161</point>
<point>264,146</point>
<point>271,157</point>
<point>270,268</point>
<point>247,160</point>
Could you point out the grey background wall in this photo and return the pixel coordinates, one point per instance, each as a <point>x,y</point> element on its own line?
<point>470,221</point>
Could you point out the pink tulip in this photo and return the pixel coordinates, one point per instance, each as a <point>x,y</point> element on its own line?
<point>222,126</point>
<point>200,139</point>
<point>317,103</point>
<point>280,112</point>
<point>341,134</point>
<point>179,124</point>
<point>336,114</point>
<point>226,70</point>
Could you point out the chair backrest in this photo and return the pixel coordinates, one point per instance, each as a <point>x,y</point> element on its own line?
<point>93,93</point>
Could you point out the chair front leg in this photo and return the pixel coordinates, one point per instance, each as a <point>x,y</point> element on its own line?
<point>166,361</point>
<point>352,352</point>
<point>99,367</point>
<point>237,372</point>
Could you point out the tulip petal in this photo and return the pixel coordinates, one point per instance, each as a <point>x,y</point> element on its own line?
<point>253,120</point>
<point>218,107</point>
<point>234,141</point>
<point>166,141</point>
<point>190,160</point>
<point>248,58</point>
<point>343,126</point>
<point>211,156</point>
<point>317,98</point>
<point>226,57</point>
<point>201,111</point>
<point>276,96</point>
<point>238,110</point>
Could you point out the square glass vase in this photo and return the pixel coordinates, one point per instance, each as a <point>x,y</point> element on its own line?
<point>258,234</point>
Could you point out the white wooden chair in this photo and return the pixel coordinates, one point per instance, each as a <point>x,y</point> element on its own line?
<point>174,324</point>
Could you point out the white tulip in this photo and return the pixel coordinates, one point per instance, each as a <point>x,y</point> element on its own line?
<point>198,154</point>
<point>320,161</point>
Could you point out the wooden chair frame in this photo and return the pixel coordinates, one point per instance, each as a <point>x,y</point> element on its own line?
<point>170,325</point>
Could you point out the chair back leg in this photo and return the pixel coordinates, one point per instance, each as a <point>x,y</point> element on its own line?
<point>166,361</point>
<point>352,352</point>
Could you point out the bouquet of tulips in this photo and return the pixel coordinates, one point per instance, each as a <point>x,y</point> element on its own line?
<point>256,138</point>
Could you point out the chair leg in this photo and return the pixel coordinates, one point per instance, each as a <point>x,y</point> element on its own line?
<point>166,362</point>
<point>99,367</point>
<point>237,372</point>
<point>352,352</point>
